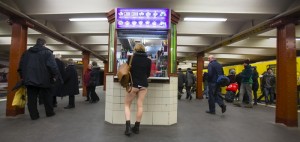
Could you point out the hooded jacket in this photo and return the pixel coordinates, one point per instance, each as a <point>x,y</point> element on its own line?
<point>38,67</point>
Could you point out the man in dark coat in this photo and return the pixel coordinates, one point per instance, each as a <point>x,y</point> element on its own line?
<point>39,72</point>
<point>214,70</point>
<point>181,81</point>
<point>71,85</point>
<point>58,86</point>
<point>255,84</point>
<point>94,81</point>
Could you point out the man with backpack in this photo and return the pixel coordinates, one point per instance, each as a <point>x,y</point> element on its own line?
<point>214,71</point>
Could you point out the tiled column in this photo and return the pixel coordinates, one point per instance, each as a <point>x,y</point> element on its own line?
<point>160,104</point>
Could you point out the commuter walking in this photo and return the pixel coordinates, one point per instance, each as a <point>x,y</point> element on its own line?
<point>246,85</point>
<point>93,82</point>
<point>214,70</point>
<point>140,71</point>
<point>255,84</point>
<point>86,80</point>
<point>71,85</point>
<point>190,81</point>
<point>268,82</point>
<point>58,86</point>
<point>39,72</point>
<point>181,81</point>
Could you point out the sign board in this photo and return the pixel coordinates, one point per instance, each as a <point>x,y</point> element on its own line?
<point>142,18</point>
<point>194,64</point>
<point>79,62</point>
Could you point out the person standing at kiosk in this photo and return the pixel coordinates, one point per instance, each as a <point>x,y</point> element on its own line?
<point>140,71</point>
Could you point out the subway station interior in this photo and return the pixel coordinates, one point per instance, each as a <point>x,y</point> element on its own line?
<point>176,34</point>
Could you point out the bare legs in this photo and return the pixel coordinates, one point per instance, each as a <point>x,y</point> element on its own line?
<point>140,93</point>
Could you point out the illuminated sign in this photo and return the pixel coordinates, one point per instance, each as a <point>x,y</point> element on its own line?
<point>142,18</point>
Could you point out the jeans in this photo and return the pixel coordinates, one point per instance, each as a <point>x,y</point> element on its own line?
<point>267,92</point>
<point>214,92</point>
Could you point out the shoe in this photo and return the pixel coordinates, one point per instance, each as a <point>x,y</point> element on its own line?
<point>50,115</point>
<point>128,129</point>
<point>255,103</point>
<point>237,104</point>
<point>210,112</point>
<point>54,105</point>
<point>136,128</point>
<point>35,118</point>
<point>87,100</point>
<point>69,107</point>
<point>223,108</point>
<point>249,106</point>
<point>191,97</point>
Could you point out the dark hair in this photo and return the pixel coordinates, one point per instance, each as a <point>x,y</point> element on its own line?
<point>41,41</point>
<point>269,69</point>
<point>179,69</point>
<point>247,61</point>
<point>94,63</point>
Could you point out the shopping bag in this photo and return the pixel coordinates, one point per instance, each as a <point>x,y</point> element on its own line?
<point>20,97</point>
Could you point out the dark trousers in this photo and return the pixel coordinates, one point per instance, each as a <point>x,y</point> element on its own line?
<point>88,91</point>
<point>44,94</point>
<point>54,100</point>
<point>214,92</point>
<point>93,95</point>
<point>188,91</point>
<point>180,88</point>
<point>72,100</point>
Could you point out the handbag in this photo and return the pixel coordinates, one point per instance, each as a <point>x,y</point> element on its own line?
<point>124,76</point>
<point>20,97</point>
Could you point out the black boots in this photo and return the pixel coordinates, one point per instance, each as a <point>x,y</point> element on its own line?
<point>128,128</point>
<point>136,128</point>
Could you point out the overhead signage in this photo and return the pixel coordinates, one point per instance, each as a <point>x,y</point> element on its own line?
<point>142,18</point>
<point>194,64</point>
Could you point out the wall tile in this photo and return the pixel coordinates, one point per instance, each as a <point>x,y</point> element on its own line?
<point>160,118</point>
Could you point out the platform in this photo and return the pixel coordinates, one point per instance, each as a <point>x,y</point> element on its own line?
<point>86,123</point>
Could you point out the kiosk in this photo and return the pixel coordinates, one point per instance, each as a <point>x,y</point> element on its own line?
<point>156,29</point>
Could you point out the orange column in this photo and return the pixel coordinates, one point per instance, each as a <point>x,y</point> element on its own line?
<point>18,47</point>
<point>200,64</point>
<point>105,72</point>
<point>286,99</point>
<point>85,61</point>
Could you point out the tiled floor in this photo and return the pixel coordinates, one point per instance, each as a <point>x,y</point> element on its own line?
<point>86,123</point>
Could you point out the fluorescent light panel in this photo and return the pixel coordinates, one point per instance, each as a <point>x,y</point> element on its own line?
<point>205,19</point>
<point>297,38</point>
<point>88,19</point>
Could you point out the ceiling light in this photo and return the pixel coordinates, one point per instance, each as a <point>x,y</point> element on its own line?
<point>297,38</point>
<point>88,19</point>
<point>205,19</point>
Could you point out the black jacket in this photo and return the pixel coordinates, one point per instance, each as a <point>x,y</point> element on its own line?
<point>140,69</point>
<point>58,87</point>
<point>38,67</point>
<point>214,70</point>
<point>95,77</point>
<point>71,86</point>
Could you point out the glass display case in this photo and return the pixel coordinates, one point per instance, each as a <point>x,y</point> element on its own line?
<point>156,50</point>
